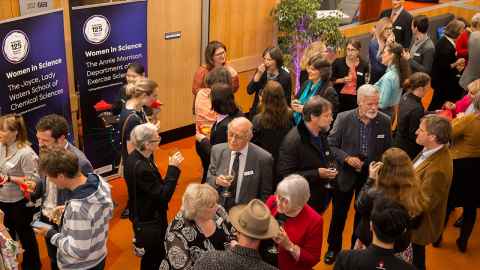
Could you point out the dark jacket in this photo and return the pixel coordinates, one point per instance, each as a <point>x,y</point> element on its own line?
<point>237,258</point>
<point>269,139</point>
<point>344,139</point>
<point>377,69</point>
<point>364,206</point>
<point>340,70</point>
<point>373,257</point>
<point>402,27</point>
<point>149,194</point>
<point>444,77</point>
<point>326,91</point>
<point>422,59</point>
<point>299,154</point>
<point>409,114</point>
<point>256,87</point>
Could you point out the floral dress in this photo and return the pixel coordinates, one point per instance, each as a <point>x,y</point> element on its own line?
<point>185,243</point>
<point>9,252</point>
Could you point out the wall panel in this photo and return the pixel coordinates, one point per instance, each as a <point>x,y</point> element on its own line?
<point>172,63</point>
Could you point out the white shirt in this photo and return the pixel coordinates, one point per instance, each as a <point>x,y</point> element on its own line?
<point>241,168</point>
<point>426,154</point>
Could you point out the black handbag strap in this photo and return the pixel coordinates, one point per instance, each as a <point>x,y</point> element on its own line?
<point>134,215</point>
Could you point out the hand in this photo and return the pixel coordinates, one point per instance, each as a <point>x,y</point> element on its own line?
<point>390,39</point>
<point>199,137</point>
<point>221,181</point>
<point>449,105</point>
<point>373,169</point>
<point>261,68</point>
<point>175,160</point>
<point>459,115</point>
<point>347,79</point>
<point>355,162</point>
<point>31,185</point>
<point>282,239</point>
<point>233,243</point>
<point>57,214</point>
<point>327,173</point>
<point>406,54</point>
<point>42,231</point>
<point>297,106</point>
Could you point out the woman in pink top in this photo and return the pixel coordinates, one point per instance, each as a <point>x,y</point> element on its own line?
<point>464,105</point>
<point>205,116</point>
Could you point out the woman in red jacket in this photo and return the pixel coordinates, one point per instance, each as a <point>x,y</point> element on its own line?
<point>299,242</point>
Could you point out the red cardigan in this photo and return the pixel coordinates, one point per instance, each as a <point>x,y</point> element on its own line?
<point>305,231</point>
<point>461,45</point>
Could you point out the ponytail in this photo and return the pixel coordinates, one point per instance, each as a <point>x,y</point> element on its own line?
<point>416,80</point>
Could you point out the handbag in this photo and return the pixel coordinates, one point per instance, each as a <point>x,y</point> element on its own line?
<point>148,234</point>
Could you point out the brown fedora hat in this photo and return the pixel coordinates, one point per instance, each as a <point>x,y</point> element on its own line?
<point>254,220</point>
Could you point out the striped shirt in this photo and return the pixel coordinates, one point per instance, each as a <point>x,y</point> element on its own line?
<point>82,240</point>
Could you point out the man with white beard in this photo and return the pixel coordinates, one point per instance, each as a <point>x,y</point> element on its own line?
<point>358,137</point>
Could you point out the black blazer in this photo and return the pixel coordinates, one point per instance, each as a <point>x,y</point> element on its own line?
<point>373,257</point>
<point>410,112</point>
<point>340,70</point>
<point>327,91</point>
<point>299,154</point>
<point>344,139</point>
<point>148,193</point>
<point>402,27</point>
<point>256,87</point>
<point>444,78</point>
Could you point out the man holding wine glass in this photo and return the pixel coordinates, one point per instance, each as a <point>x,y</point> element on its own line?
<point>305,151</point>
<point>358,137</point>
<point>240,170</point>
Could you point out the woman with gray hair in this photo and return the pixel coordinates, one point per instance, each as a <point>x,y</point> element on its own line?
<point>465,151</point>
<point>300,237</point>
<point>201,225</point>
<point>149,194</point>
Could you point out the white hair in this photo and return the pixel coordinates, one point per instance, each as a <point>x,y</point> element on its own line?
<point>367,90</point>
<point>142,134</point>
<point>242,120</point>
<point>295,189</point>
<point>196,198</point>
<point>476,20</point>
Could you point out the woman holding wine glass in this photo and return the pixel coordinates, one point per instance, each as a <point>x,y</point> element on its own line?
<point>299,241</point>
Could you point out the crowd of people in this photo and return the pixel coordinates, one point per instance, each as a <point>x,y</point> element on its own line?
<point>358,128</point>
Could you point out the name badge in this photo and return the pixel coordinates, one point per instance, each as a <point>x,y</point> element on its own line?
<point>248,173</point>
<point>416,54</point>
<point>398,27</point>
<point>359,73</point>
<point>459,75</point>
<point>381,136</point>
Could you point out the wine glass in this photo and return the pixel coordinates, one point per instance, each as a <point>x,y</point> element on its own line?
<point>331,165</point>
<point>226,192</point>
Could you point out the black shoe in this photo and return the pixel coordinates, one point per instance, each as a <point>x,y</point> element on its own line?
<point>461,245</point>
<point>125,213</point>
<point>459,222</point>
<point>330,257</point>
<point>438,242</point>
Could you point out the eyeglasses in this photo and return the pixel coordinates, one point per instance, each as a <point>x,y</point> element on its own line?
<point>388,29</point>
<point>237,136</point>
<point>155,141</point>
<point>220,53</point>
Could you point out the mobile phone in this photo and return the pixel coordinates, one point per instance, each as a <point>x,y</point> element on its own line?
<point>39,224</point>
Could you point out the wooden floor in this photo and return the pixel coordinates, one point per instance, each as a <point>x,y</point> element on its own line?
<point>120,255</point>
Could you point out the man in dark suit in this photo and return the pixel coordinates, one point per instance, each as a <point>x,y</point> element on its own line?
<point>402,22</point>
<point>358,137</point>
<point>447,69</point>
<point>250,167</point>
<point>422,49</point>
<point>434,169</point>
<point>305,151</point>
<point>389,221</point>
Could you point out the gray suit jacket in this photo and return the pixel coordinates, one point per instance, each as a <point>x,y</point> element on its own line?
<point>344,140</point>
<point>472,71</point>
<point>258,185</point>
<point>422,59</point>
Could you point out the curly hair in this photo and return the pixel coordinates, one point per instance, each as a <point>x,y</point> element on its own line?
<point>274,111</point>
<point>397,181</point>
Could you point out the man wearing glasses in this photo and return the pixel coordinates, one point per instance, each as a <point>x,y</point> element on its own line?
<point>240,170</point>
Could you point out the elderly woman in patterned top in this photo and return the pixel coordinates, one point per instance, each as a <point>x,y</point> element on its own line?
<point>201,225</point>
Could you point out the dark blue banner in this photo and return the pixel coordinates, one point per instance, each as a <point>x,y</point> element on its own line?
<point>106,39</point>
<point>33,71</point>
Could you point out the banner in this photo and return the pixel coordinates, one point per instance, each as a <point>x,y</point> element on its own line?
<point>106,38</point>
<point>33,71</point>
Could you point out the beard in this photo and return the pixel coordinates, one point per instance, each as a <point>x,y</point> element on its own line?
<point>371,114</point>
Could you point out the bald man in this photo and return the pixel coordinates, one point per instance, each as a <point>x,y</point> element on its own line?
<point>250,167</point>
